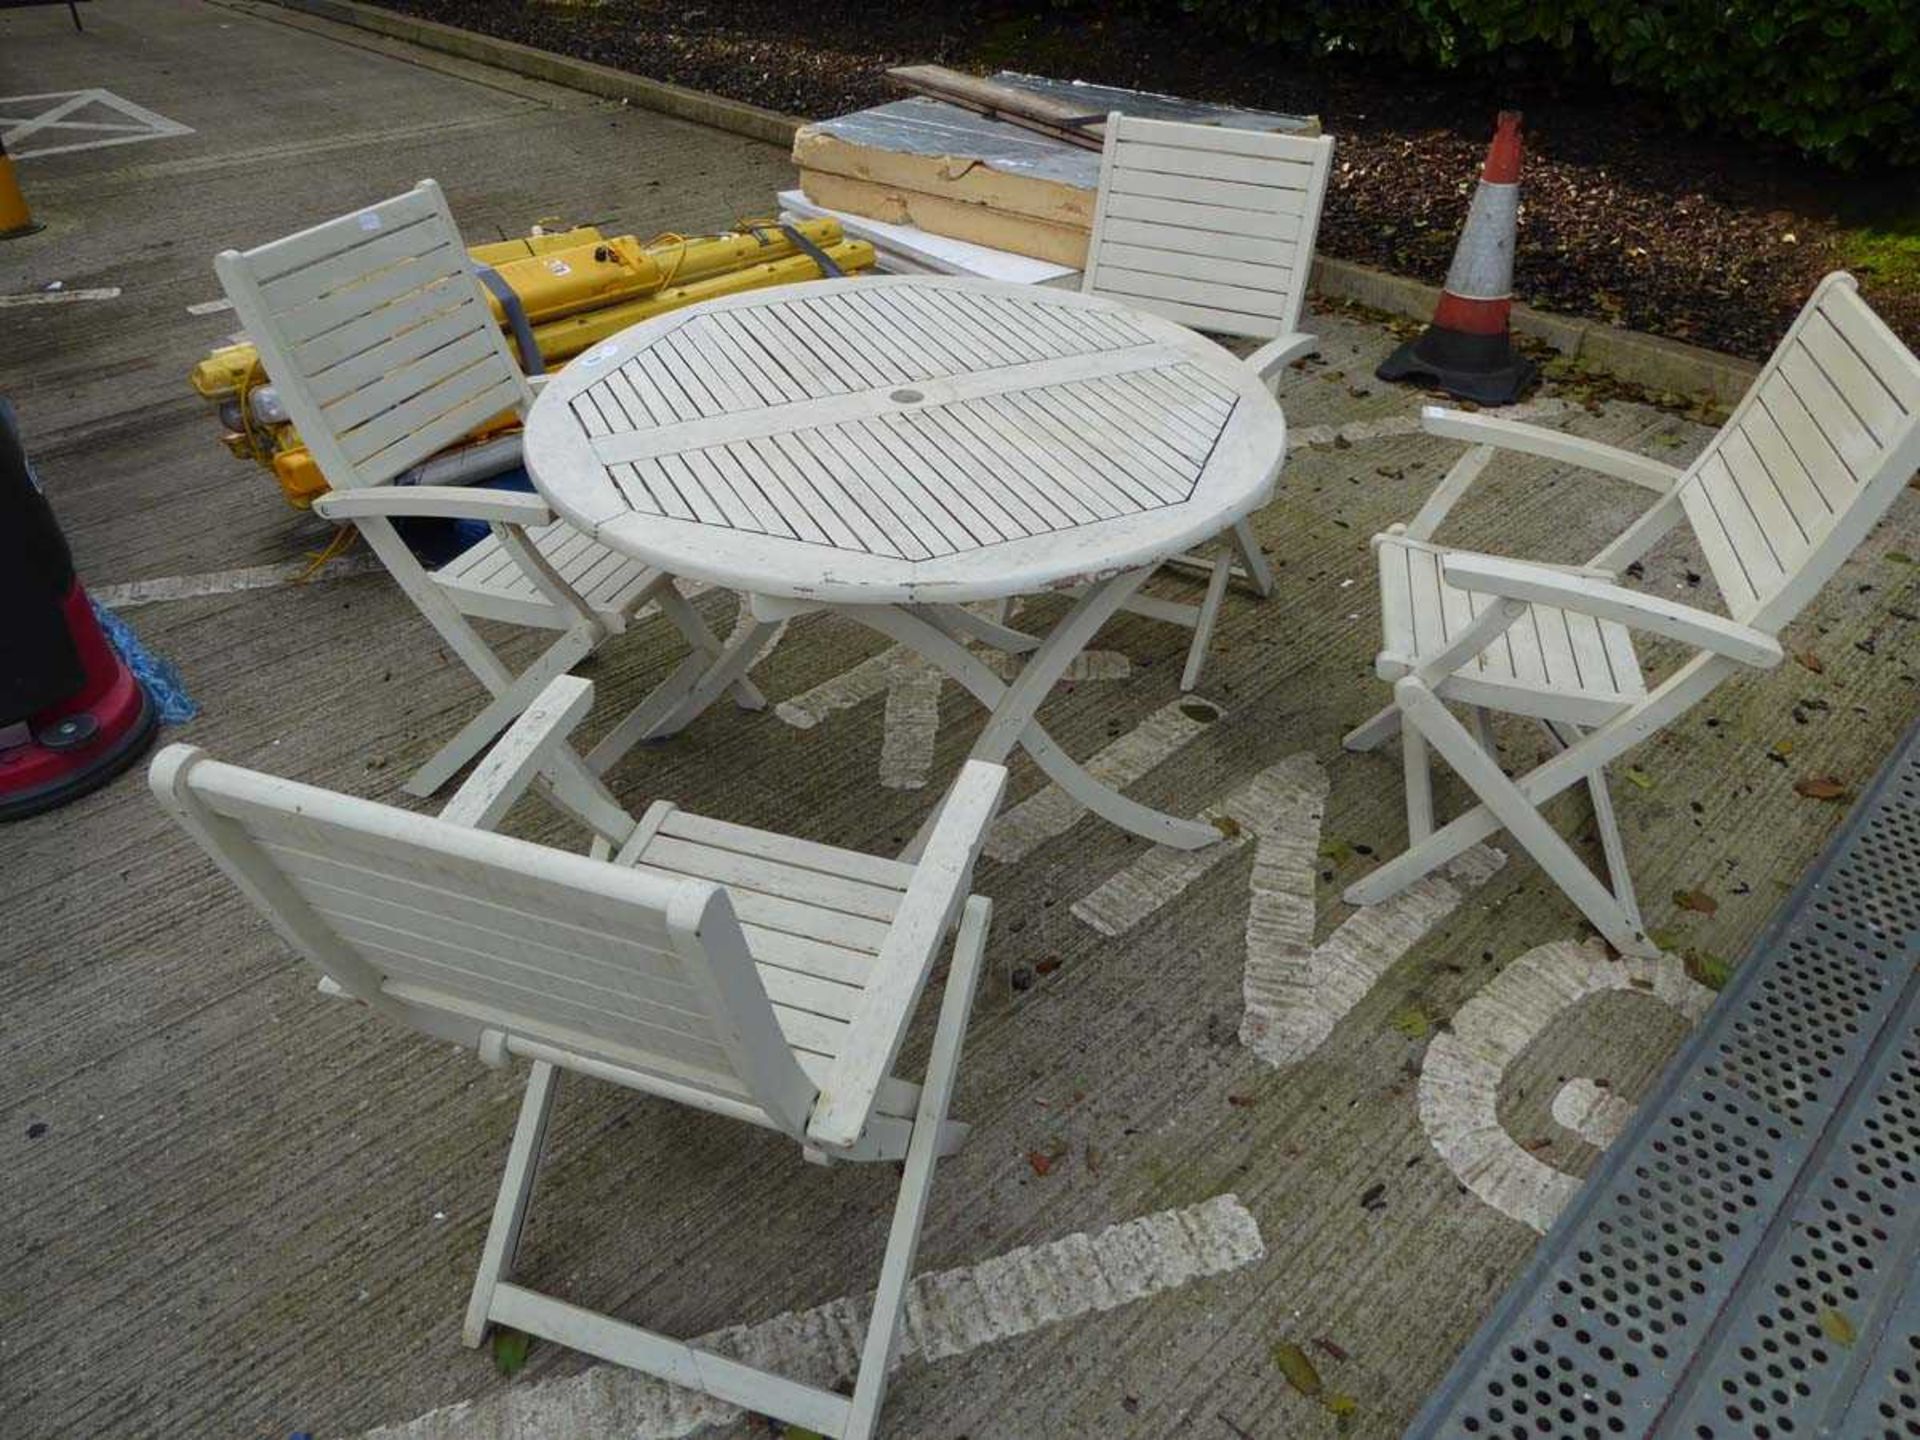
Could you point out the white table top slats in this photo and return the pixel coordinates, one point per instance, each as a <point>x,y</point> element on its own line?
<point>1076,466</point>
<point>931,465</point>
<point>912,504</point>
<point>894,438</point>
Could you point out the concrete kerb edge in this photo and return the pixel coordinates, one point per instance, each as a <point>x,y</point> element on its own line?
<point>1649,360</point>
<point>717,111</point>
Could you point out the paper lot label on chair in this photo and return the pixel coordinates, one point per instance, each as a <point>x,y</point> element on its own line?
<point>65,120</point>
<point>949,1313</point>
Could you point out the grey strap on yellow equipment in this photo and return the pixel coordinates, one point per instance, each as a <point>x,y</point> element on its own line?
<point>813,252</point>
<point>523,340</point>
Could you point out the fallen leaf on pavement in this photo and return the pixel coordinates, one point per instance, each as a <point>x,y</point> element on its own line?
<point>1697,901</point>
<point>1821,787</point>
<point>1298,1369</point>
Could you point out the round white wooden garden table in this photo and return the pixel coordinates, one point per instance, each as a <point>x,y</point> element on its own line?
<point>891,447</point>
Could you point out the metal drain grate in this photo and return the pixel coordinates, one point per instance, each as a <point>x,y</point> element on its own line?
<point>1741,1263</point>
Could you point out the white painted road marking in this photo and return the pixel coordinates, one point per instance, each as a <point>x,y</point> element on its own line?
<point>1460,1077</point>
<point>230,582</point>
<point>210,307</point>
<point>59,297</point>
<point>1294,991</point>
<point>948,1313</point>
<point>1596,1113</point>
<point>56,114</point>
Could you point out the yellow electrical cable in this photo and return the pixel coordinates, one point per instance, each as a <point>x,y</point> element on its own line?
<point>668,237</point>
<point>342,542</point>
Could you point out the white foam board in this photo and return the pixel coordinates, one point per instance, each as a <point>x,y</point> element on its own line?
<point>907,249</point>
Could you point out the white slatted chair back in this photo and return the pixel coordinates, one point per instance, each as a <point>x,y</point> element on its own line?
<point>1809,460</point>
<point>377,336</point>
<point>1210,227</point>
<point>491,941</point>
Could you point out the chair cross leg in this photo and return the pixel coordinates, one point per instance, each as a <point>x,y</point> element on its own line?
<point>516,1189</point>
<point>1424,712</point>
<point>910,1210</point>
<point>1611,843</point>
<point>1374,731</point>
<point>508,702</point>
<point>495,1299</point>
<point>694,685</point>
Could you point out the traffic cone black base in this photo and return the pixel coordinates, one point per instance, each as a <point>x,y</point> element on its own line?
<point>1483,368</point>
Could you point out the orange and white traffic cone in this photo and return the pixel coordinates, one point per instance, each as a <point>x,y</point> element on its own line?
<point>15,218</point>
<point>1468,350</point>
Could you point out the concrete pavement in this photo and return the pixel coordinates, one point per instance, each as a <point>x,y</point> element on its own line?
<point>238,1209</point>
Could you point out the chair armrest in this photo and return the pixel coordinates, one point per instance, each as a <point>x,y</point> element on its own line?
<point>927,911</point>
<point>1549,445</point>
<point>436,502</point>
<point>1274,356</point>
<point>517,757</point>
<point>1520,580</point>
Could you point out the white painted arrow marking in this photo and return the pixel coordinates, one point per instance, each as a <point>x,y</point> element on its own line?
<point>1460,1077</point>
<point>1294,991</point>
<point>1592,1111</point>
<point>948,1313</point>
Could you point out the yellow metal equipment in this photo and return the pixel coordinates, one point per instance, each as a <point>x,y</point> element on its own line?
<point>576,286</point>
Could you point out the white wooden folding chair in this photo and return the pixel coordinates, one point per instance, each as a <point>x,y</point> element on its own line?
<point>1807,464</point>
<point>376,334</point>
<point>737,971</point>
<point>1213,228</point>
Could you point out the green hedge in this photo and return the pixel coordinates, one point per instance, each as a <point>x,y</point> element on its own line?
<point>1838,79</point>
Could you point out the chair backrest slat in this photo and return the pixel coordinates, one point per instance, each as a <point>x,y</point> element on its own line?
<point>377,335</point>
<point>1211,227</point>
<point>478,932</point>
<point>1810,459</point>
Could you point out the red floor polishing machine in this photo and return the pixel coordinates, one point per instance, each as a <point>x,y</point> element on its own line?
<point>72,715</point>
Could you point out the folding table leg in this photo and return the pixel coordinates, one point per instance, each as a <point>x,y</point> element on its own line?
<point>687,620</point>
<point>1013,705</point>
<point>1209,615</point>
<point>1252,557</point>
